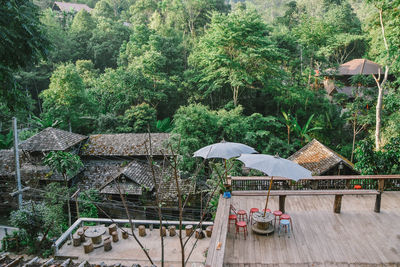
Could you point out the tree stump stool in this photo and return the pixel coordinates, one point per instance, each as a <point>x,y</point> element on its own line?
<point>112,228</point>
<point>142,230</point>
<point>125,235</point>
<point>163,231</point>
<point>107,244</point>
<point>81,235</point>
<point>76,240</point>
<point>189,230</point>
<point>199,233</point>
<point>172,230</point>
<point>209,231</point>
<point>115,236</point>
<point>88,246</point>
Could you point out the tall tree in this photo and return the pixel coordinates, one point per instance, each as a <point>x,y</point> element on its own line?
<point>236,51</point>
<point>68,165</point>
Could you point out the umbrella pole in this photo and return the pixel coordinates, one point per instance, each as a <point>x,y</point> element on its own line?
<point>269,190</point>
<point>226,172</point>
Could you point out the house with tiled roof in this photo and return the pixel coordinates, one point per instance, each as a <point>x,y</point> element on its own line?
<point>70,7</point>
<point>321,160</point>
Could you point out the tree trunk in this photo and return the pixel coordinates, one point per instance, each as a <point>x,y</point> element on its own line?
<point>354,138</point>
<point>68,204</point>
<point>378,118</point>
<point>235,90</point>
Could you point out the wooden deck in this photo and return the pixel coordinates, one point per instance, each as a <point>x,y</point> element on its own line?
<point>357,236</point>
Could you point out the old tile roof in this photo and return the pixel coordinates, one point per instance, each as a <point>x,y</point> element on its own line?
<point>67,7</point>
<point>129,144</point>
<point>97,172</point>
<point>318,158</point>
<point>7,166</point>
<point>51,139</point>
<point>132,178</point>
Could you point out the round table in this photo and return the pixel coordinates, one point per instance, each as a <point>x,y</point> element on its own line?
<point>263,224</point>
<point>95,233</point>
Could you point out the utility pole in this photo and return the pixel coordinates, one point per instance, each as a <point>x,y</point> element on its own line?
<point>16,155</point>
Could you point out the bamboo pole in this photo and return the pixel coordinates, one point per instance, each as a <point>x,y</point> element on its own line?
<point>269,191</point>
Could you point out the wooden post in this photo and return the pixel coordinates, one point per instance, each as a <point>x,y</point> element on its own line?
<point>337,204</point>
<point>107,244</point>
<point>88,246</point>
<point>209,231</point>
<point>381,185</point>
<point>282,199</point>
<point>112,228</point>
<point>172,230</point>
<point>189,229</point>
<point>142,230</point>
<point>378,202</point>
<point>115,236</point>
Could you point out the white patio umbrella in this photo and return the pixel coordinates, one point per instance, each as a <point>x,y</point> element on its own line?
<point>224,150</point>
<point>274,166</point>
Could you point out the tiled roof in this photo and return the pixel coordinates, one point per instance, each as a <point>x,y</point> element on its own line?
<point>51,139</point>
<point>139,175</point>
<point>127,187</point>
<point>7,166</point>
<point>72,6</point>
<point>318,158</point>
<point>130,144</point>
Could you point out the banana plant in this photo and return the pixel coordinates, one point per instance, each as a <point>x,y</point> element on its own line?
<point>304,131</point>
<point>6,140</point>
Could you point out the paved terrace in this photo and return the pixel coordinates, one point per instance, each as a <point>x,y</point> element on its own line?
<point>356,236</point>
<point>128,252</point>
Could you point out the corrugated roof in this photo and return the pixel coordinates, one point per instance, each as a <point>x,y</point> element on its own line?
<point>130,144</point>
<point>318,158</point>
<point>72,6</point>
<point>51,139</point>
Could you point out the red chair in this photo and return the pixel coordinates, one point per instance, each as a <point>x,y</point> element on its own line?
<point>252,210</point>
<point>241,225</point>
<point>266,210</point>
<point>287,217</point>
<point>278,214</point>
<point>232,217</point>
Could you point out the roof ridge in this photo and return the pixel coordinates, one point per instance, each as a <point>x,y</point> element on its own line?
<point>56,138</point>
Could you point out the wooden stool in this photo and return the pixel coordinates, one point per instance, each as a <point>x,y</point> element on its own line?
<point>82,236</point>
<point>88,246</point>
<point>209,231</point>
<point>125,235</point>
<point>115,236</point>
<point>142,230</point>
<point>76,240</point>
<point>163,231</point>
<point>107,244</point>
<point>199,234</point>
<point>189,230</point>
<point>112,228</point>
<point>172,230</point>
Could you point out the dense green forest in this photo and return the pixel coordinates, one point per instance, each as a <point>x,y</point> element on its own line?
<point>245,71</point>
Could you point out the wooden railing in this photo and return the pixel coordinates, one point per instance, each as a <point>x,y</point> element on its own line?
<point>369,182</point>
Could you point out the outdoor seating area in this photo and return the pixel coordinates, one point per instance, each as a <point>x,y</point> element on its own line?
<point>312,234</point>
<point>111,244</point>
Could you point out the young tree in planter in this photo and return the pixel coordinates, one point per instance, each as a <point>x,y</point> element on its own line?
<point>68,165</point>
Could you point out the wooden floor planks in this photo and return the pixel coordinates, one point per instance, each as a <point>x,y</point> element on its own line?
<point>357,236</point>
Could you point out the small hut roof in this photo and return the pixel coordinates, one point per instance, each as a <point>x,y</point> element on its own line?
<point>7,166</point>
<point>318,158</point>
<point>130,144</point>
<point>72,6</point>
<point>51,139</point>
<point>356,67</point>
<point>139,175</point>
